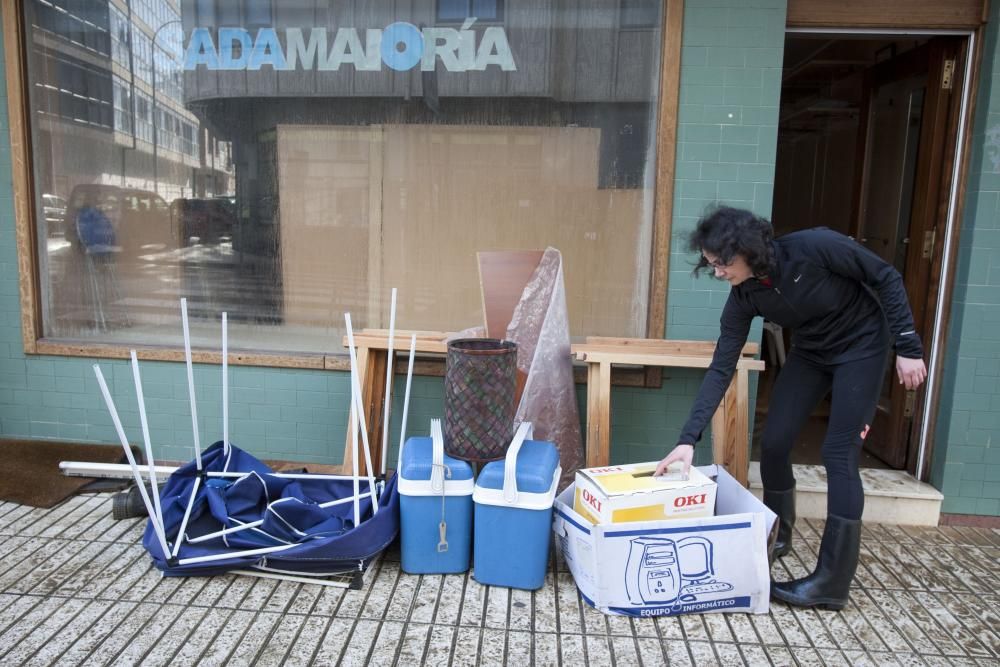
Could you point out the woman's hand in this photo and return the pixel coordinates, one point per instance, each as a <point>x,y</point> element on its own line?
<point>683,453</point>
<point>911,372</point>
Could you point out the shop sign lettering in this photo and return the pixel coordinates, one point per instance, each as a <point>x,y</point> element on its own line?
<point>400,46</point>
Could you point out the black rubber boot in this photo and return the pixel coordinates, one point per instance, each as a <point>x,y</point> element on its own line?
<point>781,503</point>
<point>829,585</point>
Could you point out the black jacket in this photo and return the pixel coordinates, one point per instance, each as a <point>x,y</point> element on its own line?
<point>842,301</point>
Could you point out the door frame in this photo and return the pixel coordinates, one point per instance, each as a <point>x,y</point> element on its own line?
<point>919,465</point>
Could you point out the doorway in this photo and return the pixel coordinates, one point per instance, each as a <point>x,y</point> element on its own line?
<point>866,140</point>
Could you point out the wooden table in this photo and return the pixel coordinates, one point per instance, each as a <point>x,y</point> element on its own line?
<point>730,444</point>
<point>372,349</point>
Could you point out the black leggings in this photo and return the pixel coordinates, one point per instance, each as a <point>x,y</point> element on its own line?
<point>801,384</point>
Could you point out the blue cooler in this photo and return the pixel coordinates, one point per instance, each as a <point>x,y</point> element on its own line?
<point>514,514</point>
<point>435,507</point>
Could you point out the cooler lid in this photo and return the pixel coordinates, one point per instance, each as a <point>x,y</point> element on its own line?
<point>536,463</point>
<point>416,465</point>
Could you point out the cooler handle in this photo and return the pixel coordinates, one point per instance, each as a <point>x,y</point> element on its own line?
<point>437,456</point>
<point>510,463</point>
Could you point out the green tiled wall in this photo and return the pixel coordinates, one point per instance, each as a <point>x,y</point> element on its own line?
<point>730,82</point>
<point>731,57</point>
<point>966,460</point>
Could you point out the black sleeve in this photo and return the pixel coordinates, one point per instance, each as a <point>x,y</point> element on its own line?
<point>734,328</point>
<point>846,257</point>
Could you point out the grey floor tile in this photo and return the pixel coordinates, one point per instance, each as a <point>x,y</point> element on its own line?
<point>386,647</point>
<point>521,610</point>
<point>135,636</point>
<point>401,600</point>
<point>780,656</point>
<point>414,644</point>
<point>449,608</point>
<point>473,604</point>
<point>281,640</point>
<point>171,638</point>
<point>545,609</point>
<point>493,647</point>
<point>467,645</point>
<point>519,648</point>
<point>625,651</point>
<point>214,628</point>
<point>497,607</point>
<point>598,649</point>
<point>68,634</point>
<point>37,640</point>
<point>571,649</point>
<point>301,653</point>
<point>677,653</point>
<point>754,654</point>
<point>439,646</point>
<point>334,641</point>
<point>362,638</point>
<point>702,653</point>
<point>650,651</point>
<point>546,647</point>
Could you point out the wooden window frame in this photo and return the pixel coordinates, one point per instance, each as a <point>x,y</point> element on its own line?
<point>19,112</point>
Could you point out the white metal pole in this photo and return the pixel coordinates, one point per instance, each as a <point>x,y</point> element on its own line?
<point>225,384</point>
<point>388,381</point>
<point>289,577</point>
<point>190,377</point>
<point>157,526</point>
<point>187,515</point>
<point>341,501</point>
<point>234,554</point>
<point>355,453</point>
<point>145,438</point>
<point>225,531</point>
<point>359,410</point>
<point>406,403</point>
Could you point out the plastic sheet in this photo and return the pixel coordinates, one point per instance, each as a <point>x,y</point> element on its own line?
<point>540,327</point>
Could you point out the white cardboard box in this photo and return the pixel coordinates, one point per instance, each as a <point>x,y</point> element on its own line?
<point>628,493</point>
<point>669,567</point>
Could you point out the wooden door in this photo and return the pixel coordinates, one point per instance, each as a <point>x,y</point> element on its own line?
<point>908,123</point>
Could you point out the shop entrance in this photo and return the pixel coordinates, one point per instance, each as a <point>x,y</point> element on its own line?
<point>866,140</point>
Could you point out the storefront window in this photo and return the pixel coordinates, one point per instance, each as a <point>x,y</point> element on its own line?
<point>288,161</point>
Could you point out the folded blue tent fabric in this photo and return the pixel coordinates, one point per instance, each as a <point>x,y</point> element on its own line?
<point>325,539</point>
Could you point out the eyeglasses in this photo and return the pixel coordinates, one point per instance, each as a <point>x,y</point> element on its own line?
<point>717,263</point>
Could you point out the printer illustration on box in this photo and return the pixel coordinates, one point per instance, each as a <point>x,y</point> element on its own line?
<point>664,571</point>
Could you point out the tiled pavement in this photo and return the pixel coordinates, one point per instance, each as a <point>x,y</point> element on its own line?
<point>76,588</point>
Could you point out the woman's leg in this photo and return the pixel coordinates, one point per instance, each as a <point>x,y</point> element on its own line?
<point>799,387</point>
<point>856,388</point>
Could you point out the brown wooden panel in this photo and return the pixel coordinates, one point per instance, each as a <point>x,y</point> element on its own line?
<point>20,156</point>
<point>968,14</point>
<point>503,275</point>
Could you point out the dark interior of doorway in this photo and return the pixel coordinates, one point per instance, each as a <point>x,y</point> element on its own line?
<point>823,86</point>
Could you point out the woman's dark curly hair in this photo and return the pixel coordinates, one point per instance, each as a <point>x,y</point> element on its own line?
<point>726,232</point>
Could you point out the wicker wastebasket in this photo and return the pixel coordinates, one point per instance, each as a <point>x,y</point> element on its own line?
<point>479,385</point>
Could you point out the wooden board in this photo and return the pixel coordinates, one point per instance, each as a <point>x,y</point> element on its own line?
<point>968,14</point>
<point>503,275</point>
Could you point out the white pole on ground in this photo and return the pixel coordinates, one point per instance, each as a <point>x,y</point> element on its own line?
<point>388,381</point>
<point>234,554</point>
<point>225,384</point>
<point>291,577</point>
<point>157,526</point>
<point>406,403</point>
<point>190,376</point>
<point>145,437</point>
<point>187,515</point>
<point>359,410</point>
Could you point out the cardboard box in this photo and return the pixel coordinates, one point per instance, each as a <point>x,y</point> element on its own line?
<point>618,494</point>
<point>670,567</point>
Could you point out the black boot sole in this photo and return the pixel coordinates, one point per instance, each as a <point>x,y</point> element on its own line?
<point>829,604</point>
